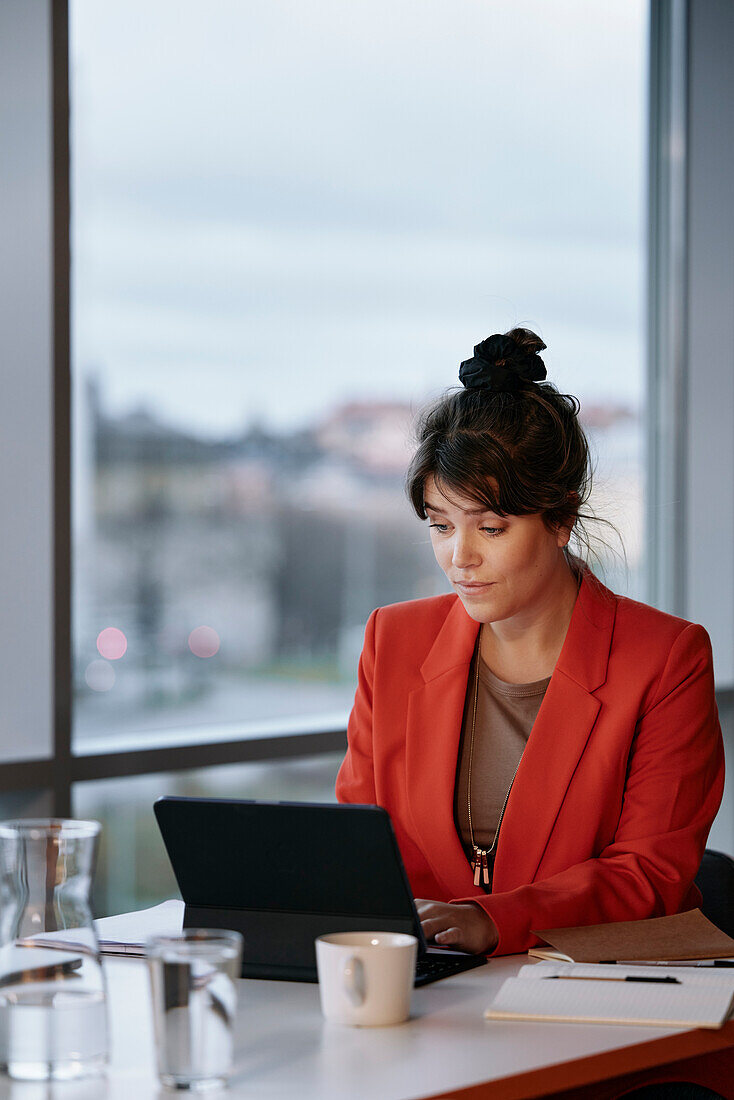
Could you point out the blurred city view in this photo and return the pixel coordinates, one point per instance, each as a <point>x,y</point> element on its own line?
<point>290,223</point>
<point>227,582</point>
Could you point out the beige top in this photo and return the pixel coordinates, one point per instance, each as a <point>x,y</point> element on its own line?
<point>505,717</point>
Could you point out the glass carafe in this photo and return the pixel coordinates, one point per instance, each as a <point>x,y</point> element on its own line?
<point>53,1017</point>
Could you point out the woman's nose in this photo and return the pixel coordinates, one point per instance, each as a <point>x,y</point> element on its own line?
<point>465,552</point>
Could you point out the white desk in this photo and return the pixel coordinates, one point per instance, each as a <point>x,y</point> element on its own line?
<point>285,1049</point>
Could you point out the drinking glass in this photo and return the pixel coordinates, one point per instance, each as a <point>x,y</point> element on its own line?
<point>53,1012</point>
<point>193,978</point>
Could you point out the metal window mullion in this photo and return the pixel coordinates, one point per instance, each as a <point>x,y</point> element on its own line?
<point>61,263</point>
<point>667,303</point>
<point>137,762</point>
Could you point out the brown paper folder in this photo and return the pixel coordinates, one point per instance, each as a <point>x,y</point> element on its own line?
<point>682,936</point>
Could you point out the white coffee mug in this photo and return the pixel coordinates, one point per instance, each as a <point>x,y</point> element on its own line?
<point>366,978</point>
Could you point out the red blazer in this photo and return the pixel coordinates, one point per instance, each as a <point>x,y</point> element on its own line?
<point>615,794</point>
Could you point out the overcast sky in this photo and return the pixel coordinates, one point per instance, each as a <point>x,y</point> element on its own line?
<point>278,206</point>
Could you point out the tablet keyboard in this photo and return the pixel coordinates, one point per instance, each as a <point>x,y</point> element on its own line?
<point>429,968</point>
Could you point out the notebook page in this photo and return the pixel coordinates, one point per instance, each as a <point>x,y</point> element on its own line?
<point>616,971</point>
<point>612,1003</point>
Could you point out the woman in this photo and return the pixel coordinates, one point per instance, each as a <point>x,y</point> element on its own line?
<point>549,753</point>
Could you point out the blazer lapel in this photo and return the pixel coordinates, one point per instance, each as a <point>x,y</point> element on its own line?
<point>559,736</point>
<point>433,732</point>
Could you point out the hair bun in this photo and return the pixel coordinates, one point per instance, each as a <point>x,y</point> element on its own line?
<point>503,362</point>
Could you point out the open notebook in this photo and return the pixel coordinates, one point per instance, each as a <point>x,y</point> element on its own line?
<point>674,997</point>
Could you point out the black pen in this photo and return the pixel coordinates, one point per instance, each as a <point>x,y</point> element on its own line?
<point>629,978</point>
<point>662,981</point>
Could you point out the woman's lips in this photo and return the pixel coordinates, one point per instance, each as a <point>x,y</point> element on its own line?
<point>473,588</point>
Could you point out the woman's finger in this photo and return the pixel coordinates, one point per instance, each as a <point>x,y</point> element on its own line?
<point>432,925</point>
<point>424,906</point>
<point>450,935</point>
<point>435,912</point>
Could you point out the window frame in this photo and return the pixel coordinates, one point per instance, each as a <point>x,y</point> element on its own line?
<point>668,365</point>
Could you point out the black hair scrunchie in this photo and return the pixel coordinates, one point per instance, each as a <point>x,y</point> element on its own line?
<point>500,363</point>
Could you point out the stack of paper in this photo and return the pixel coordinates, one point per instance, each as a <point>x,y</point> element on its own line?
<point>122,935</point>
<point>682,936</point>
<point>126,934</point>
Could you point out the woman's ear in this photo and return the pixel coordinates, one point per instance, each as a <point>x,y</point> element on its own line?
<point>566,525</point>
<point>563,532</point>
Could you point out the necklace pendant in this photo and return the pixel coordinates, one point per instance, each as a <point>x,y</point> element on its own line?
<point>476,865</point>
<point>485,869</point>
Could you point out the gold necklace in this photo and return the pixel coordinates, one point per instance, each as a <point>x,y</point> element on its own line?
<point>480,856</point>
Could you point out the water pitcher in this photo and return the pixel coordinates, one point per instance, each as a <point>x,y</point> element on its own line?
<point>53,1019</point>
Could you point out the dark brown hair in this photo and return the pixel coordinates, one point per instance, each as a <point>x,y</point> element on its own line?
<point>515,453</point>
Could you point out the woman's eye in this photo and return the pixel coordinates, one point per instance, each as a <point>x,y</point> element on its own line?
<point>493,531</point>
<point>442,527</point>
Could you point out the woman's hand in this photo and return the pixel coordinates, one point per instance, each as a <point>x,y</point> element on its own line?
<point>465,926</point>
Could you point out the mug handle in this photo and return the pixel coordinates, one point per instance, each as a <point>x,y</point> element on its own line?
<point>353,982</point>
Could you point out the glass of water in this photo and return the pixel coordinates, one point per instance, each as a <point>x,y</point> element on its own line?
<point>53,1018</point>
<point>193,978</point>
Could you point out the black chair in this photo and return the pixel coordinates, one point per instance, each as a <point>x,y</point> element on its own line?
<point>715,880</point>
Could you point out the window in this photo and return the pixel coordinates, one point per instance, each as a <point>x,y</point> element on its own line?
<point>144,876</point>
<point>290,223</point>
<point>348,203</point>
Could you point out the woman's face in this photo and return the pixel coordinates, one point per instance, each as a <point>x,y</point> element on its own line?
<point>501,567</point>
